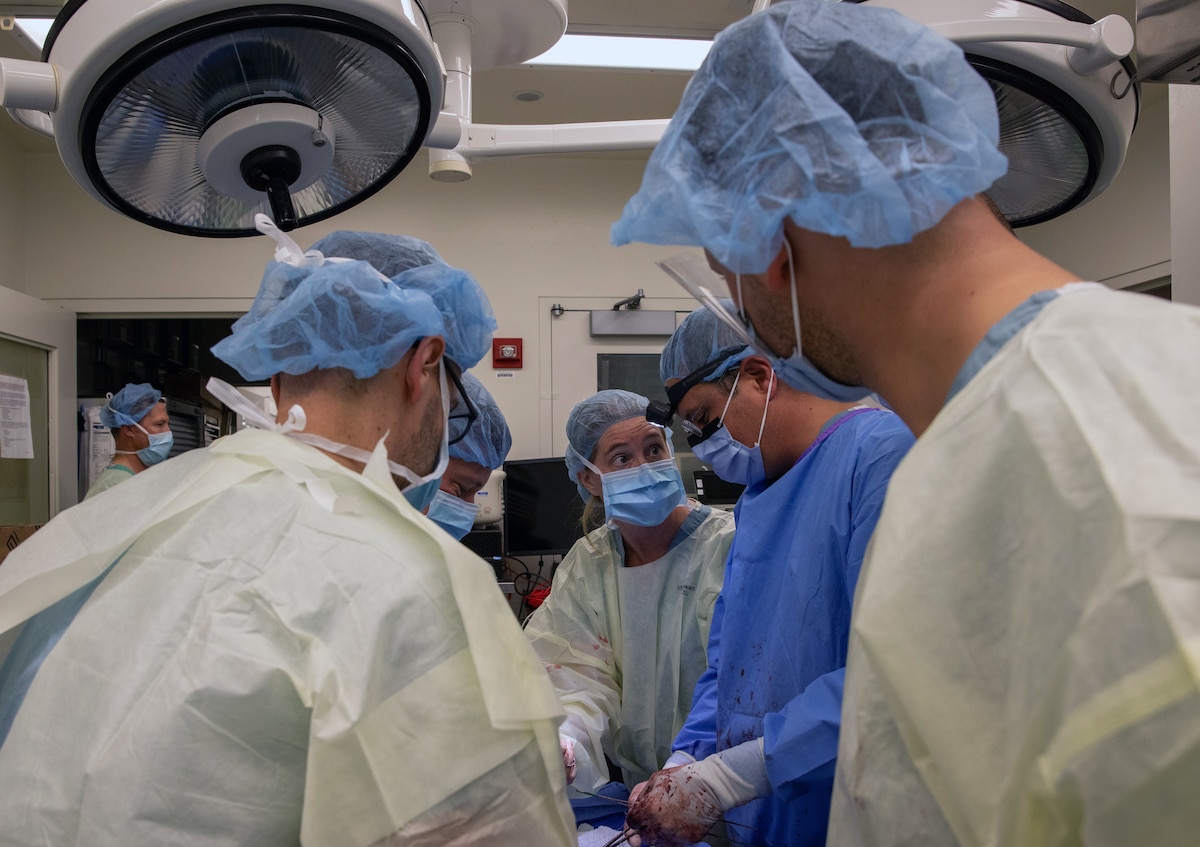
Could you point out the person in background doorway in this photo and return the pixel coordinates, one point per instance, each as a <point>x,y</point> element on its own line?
<point>141,429</point>
<point>269,644</point>
<point>764,719</point>
<point>1023,650</point>
<point>482,449</point>
<point>624,630</point>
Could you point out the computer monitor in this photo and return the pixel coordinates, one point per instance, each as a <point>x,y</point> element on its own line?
<point>542,508</point>
<point>714,491</point>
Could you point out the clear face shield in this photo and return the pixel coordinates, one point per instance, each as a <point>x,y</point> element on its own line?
<point>703,283</point>
<point>795,370</point>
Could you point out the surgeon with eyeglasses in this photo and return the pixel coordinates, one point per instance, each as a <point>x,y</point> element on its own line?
<point>480,441</point>
<point>760,742</point>
<point>269,643</point>
<point>624,631</point>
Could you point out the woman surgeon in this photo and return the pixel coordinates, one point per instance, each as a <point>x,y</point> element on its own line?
<point>624,631</point>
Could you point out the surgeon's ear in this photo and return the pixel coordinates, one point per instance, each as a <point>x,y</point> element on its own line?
<point>778,276</point>
<point>758,370</point>
<point>424,362</point>
<point>589,480</point>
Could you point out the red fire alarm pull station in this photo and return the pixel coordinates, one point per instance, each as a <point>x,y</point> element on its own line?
<point>506,353</point>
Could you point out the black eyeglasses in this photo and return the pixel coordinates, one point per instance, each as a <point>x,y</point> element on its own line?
<point>465,414</point>
<point>697,433</point>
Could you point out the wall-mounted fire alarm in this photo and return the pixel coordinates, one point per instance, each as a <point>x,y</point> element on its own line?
<point>506,353</point>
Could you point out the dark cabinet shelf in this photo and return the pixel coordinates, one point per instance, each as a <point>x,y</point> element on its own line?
<point>170,353</point>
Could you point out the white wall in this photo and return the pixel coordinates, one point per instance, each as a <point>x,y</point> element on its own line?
<point>526,228</point>
<point>12,214</point>
<point>1185,193</point>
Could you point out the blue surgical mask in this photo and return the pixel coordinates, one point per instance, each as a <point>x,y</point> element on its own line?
<point>796,371</point>
<point>452,514</point>
<point>422,494</point>
<point>644,495</point>
<point>157,450</point>
<point>729,458</point>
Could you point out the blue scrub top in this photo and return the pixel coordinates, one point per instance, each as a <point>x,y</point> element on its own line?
<point>780,630</point>
<point>999,335</point>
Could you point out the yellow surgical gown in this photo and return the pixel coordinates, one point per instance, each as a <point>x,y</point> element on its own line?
<point>624,647</point>
<point>1024,661</point>
<point>276,651</point>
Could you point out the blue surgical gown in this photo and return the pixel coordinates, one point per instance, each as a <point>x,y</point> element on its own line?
<point>777,648</point>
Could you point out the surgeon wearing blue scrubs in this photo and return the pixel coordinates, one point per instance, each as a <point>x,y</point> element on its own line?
<point>1023,651</point>
<point>816,472</point>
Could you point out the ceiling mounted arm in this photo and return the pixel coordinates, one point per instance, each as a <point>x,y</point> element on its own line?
<point>1090,46</point>
<point>478,34</point>
<point>495,141</point>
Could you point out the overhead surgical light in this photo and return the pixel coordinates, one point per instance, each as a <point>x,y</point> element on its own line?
<point>1064,88</point>
<point>1062,84</point>
<point>194,116</point>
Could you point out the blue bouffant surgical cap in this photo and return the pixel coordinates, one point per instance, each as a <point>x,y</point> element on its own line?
<point>466,312</point>
<point>699,341</point>
<point>313,311</point>
<point>391,255</point>
<point>129,405</point>
<point>590,419</point>
<point>851,120</point>
<point>488,440</point>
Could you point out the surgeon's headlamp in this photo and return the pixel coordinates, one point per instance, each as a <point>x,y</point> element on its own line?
<point>660,414</point>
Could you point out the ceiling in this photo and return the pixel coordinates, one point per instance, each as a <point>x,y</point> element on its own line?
<point>570,95</point>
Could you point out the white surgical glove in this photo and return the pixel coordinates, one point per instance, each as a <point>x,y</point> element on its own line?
<point>678,807</point>
<point>678,758</point>
<point>568,756</point>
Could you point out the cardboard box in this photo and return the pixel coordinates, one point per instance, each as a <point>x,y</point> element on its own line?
<point>11,536</point>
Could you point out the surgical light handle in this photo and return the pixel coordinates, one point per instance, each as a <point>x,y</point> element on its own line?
<point>28,90</point>
<point>493,141</point>
<point>1089,46</point>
